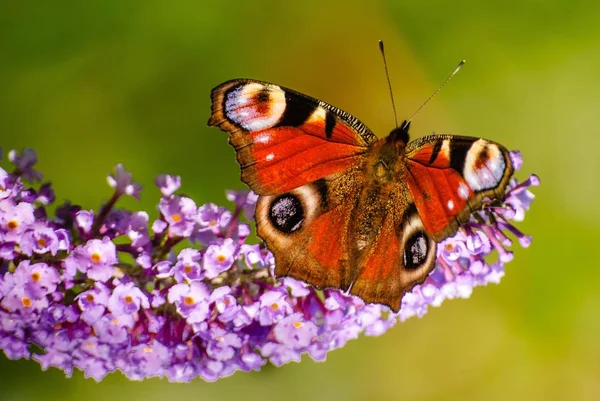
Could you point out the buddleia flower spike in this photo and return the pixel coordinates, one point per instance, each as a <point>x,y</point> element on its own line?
<point>101,291</point>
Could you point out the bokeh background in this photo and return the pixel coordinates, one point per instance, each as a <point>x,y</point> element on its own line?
<point>94,83</point>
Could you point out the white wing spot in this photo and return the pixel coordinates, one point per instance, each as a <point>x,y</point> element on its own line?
<point>262,138</point>
<point>463,191</point>
<point>450,205</point>
<point>269,157</point>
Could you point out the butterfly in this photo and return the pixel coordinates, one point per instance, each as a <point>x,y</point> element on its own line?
<point>340,208</point>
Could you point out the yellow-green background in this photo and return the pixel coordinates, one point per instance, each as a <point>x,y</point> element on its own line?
<point>93,83</point>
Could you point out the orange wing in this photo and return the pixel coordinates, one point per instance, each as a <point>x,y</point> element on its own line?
<point>308,230</point>
<point>285,139</point>
<point>450,176</point>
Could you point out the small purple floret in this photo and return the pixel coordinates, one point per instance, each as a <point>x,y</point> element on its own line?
<point>96,259</point>
<point>24,164</point>
<point>168,184</point>
<point>121,181</point>
<point>188,267</point>
<point>127,299</point>
<point>93,302</point>
<point>191,301</point>
<point>39,238</point>
<point>180,214</point>
<point>295,331</point>
<point>219,258</point>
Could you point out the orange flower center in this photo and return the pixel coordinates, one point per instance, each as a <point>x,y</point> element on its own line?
<point>176,217</point>
<point>220,339</point>
<point>298,324</point>
<point>189,300</point>
<point>213,223</point>
<point>95,257</point>
<point>41,242</point>
<point>128,299</point>
<point>187,269</point>
<point>275,306</point>
<point>449,247</point>
<point>148,350</point>
<point>26,302</point>
<point>13,224</point>
<point>89,297</point>
<point>221,258</point>
<point>35,277</point>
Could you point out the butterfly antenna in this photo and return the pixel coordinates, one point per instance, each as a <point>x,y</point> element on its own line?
<point>458,67</point>
<point>387,74</point>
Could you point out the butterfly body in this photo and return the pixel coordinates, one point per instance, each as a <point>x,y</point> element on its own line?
<point>340,208</point>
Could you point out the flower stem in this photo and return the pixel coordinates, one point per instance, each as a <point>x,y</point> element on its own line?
<point>103,213</point>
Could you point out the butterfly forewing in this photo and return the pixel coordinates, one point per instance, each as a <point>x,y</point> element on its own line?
<point>450,176</point>
<point>284,139</point>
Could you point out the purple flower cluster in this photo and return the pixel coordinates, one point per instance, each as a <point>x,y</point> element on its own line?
<point>184,296</point>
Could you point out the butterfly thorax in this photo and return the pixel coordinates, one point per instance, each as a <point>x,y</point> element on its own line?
<point>385,162</point>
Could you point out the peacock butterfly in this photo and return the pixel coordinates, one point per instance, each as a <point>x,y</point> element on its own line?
<point>339,207</point>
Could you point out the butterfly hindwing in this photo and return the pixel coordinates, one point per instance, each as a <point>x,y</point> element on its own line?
<point>285,139</point>
<point>308,230</point>
<point>450,176</point>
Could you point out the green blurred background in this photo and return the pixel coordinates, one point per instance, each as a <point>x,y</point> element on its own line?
<point>90,84</point>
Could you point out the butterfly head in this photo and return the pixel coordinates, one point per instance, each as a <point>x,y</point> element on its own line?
<point>400,134</point>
